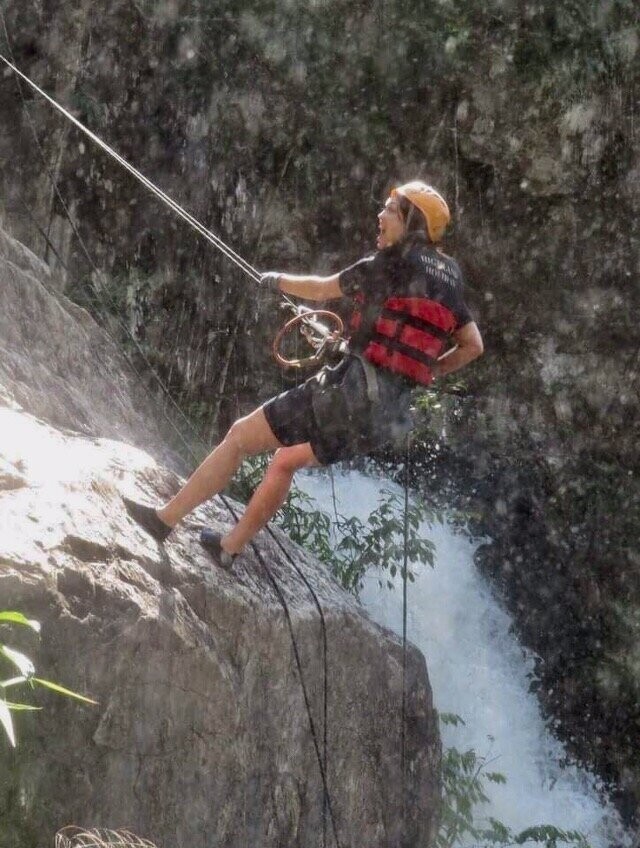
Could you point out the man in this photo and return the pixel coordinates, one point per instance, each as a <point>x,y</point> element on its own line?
<point>407,306</point>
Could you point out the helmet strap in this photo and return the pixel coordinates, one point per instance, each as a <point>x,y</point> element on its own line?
<point>409,217</point>
<point>412,212</point>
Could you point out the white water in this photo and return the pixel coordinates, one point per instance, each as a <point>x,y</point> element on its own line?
<point>478,670</point>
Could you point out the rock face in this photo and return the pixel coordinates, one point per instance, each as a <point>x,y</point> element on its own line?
<point>200,736</point>
<point>58,364</point>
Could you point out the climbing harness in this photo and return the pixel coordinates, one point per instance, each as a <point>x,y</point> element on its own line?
<point>254,274</point>
<point>371,377</point>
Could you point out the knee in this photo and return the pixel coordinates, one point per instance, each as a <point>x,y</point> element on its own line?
<point>237,437</point>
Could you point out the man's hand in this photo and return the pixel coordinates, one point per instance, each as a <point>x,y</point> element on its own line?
<point>468,347</point>
<point>271,279</point>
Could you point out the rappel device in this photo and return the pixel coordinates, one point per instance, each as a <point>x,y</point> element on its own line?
<point>323,339</point>
<point>326,341</point>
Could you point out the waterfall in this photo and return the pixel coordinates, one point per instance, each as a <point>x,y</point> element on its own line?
<point>478,670</point>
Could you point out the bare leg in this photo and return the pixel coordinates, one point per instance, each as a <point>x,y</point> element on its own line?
<point>247,436</point>
<point>270,494</point>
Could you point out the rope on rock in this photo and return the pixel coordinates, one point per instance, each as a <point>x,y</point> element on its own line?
<point>254,274</point>
<point>281,598</point>
<point>405,566</point>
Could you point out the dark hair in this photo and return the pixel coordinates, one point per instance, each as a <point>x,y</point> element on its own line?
<point>414,220</point>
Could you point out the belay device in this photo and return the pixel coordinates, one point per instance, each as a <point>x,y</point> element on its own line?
<point>326,341</point>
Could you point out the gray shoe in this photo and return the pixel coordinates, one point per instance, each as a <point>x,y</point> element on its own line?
<point>211,542</point>
<point>148,519</point>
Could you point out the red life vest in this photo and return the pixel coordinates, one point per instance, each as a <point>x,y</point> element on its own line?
<point>406,334</point>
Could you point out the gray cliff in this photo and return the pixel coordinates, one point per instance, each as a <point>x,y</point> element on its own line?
<point>200,736</point>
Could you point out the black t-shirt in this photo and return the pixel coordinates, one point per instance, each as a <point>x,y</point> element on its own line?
<point>411,269</point>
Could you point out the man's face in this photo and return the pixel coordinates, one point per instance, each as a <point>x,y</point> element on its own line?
<point>390,224</point>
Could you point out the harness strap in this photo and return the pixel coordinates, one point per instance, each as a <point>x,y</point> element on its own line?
<point>371,376</point>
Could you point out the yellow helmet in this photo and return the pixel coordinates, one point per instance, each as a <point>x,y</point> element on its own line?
<point>432,205</point>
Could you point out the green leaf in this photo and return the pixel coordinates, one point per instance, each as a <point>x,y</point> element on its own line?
<point>451,719</point>
<point>7,722</point>
<point>548,834</point>
<point>13,681</point>
<point>22,707</point>
<point>55,687</point>
<point>21,662</point>
<point>11,617</point>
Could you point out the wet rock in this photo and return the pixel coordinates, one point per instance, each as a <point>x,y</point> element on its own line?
<point>201,733</point>
<point>56,363</point>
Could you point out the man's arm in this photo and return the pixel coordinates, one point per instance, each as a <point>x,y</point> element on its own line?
<point>310,287</point>
<point>468,347</point>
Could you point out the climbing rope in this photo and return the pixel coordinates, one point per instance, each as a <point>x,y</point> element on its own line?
<point>186,216</point>
<point>254,274</point>
<point>101,294</point>
<point>405,566</point>
<point>281,598</point>
<point>211,237</point>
